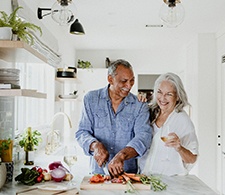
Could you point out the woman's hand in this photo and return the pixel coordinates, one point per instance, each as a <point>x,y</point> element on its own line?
<point>186,155</point>
<point>173,141</point>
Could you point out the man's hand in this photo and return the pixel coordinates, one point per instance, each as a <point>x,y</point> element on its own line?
<point>101,155</point>
<point>142,97</point>
<point>115,166</point>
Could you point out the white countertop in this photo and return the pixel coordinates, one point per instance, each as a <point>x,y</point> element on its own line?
<point>184,185</point>
<point>176,185</point>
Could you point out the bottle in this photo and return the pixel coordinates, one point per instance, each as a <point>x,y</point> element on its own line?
<point>29,148</point>
<point>107,62</point>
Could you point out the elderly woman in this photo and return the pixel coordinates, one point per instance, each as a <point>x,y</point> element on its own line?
<point>174,146</point>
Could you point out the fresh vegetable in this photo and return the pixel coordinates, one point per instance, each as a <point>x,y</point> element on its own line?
<point>131,188</point>
<point>97,178</point>
<point>68,177</point>
<point>27,177</point>
<point>133,176</point>
<point>40,170</point>
<point>54,165</point>
<point>34,175</point>
<point>47,176</point>
<point>156,183</point>
<point>117,180</point>
<point>58,174</point>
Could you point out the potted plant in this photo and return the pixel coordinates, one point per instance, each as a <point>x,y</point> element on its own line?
<point>6,150</point>
<point>83,64</point>
<point>4,146</point>
<point>19,27</point>
<point>29,140</point>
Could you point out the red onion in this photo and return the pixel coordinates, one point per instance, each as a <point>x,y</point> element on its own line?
<point>58,174</point>
<point>54,165</point>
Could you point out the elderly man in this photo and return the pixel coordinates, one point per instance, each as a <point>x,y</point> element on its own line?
<point>114,128</point>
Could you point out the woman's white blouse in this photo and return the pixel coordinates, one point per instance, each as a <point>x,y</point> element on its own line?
<point>166,160</point>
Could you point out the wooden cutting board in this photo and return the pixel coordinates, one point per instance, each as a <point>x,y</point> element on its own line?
<point>86,185</point>
<point>36,191</point>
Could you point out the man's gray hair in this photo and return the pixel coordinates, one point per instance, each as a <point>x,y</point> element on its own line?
<point>113,66</point>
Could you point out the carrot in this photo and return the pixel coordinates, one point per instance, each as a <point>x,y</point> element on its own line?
<point>126,177</point>
<point>120,177</point>
<point>133,176</point>
<point>136,178</point>
<point>129,183</point>
<point>129,174</point>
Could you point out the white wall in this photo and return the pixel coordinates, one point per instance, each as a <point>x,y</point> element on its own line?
<point>202,84</point>
<point>142,60</point>
<point>220,110</point>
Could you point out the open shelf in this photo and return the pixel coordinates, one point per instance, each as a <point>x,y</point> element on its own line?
<point>62,80</point>
<point>18,51</point>
<point>22,92</point>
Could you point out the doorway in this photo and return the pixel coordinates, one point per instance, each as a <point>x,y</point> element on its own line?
<point>146,85</point>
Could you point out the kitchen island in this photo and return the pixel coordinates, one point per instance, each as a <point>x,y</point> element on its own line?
<point>185,185</point>
<point>176,185</point>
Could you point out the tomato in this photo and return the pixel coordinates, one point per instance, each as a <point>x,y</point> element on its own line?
<point>34,168</point>
<point>97,178</point>
<point>39,179</point>
<point>40,170</point>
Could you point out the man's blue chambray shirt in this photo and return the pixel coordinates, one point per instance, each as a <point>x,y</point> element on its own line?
<point>129,126</point>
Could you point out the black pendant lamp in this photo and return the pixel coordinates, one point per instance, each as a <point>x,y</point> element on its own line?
<point>77,28</point>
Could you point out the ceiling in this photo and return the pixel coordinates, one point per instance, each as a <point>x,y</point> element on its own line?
<point>121,24</point>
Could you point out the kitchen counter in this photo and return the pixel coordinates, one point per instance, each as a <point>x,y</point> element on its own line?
<point>185,185</point>
<point>176,185</point>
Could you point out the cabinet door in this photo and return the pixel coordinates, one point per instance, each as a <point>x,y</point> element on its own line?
<point>223,129</point>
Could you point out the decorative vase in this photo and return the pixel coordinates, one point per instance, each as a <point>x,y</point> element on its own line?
<point>3,173</point>
<point>5,33</point>
<point>29,158</point>
<point>7,153</point>
<point>15,37</point>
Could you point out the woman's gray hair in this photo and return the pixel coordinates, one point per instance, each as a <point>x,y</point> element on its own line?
<point>113,66</point>
<point>178,86</point>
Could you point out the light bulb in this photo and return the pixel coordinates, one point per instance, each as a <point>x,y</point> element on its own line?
<point>63,13</point>
<point>172,16</point>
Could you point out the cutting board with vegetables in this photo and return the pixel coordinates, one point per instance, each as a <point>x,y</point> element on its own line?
<point>107,185</point>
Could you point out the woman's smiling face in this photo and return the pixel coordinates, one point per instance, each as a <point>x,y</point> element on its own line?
<point>166,96</point>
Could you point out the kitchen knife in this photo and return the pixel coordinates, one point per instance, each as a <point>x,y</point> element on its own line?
<point>105,169</point>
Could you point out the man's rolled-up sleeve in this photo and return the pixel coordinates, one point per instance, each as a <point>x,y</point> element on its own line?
<point>143,131</point>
